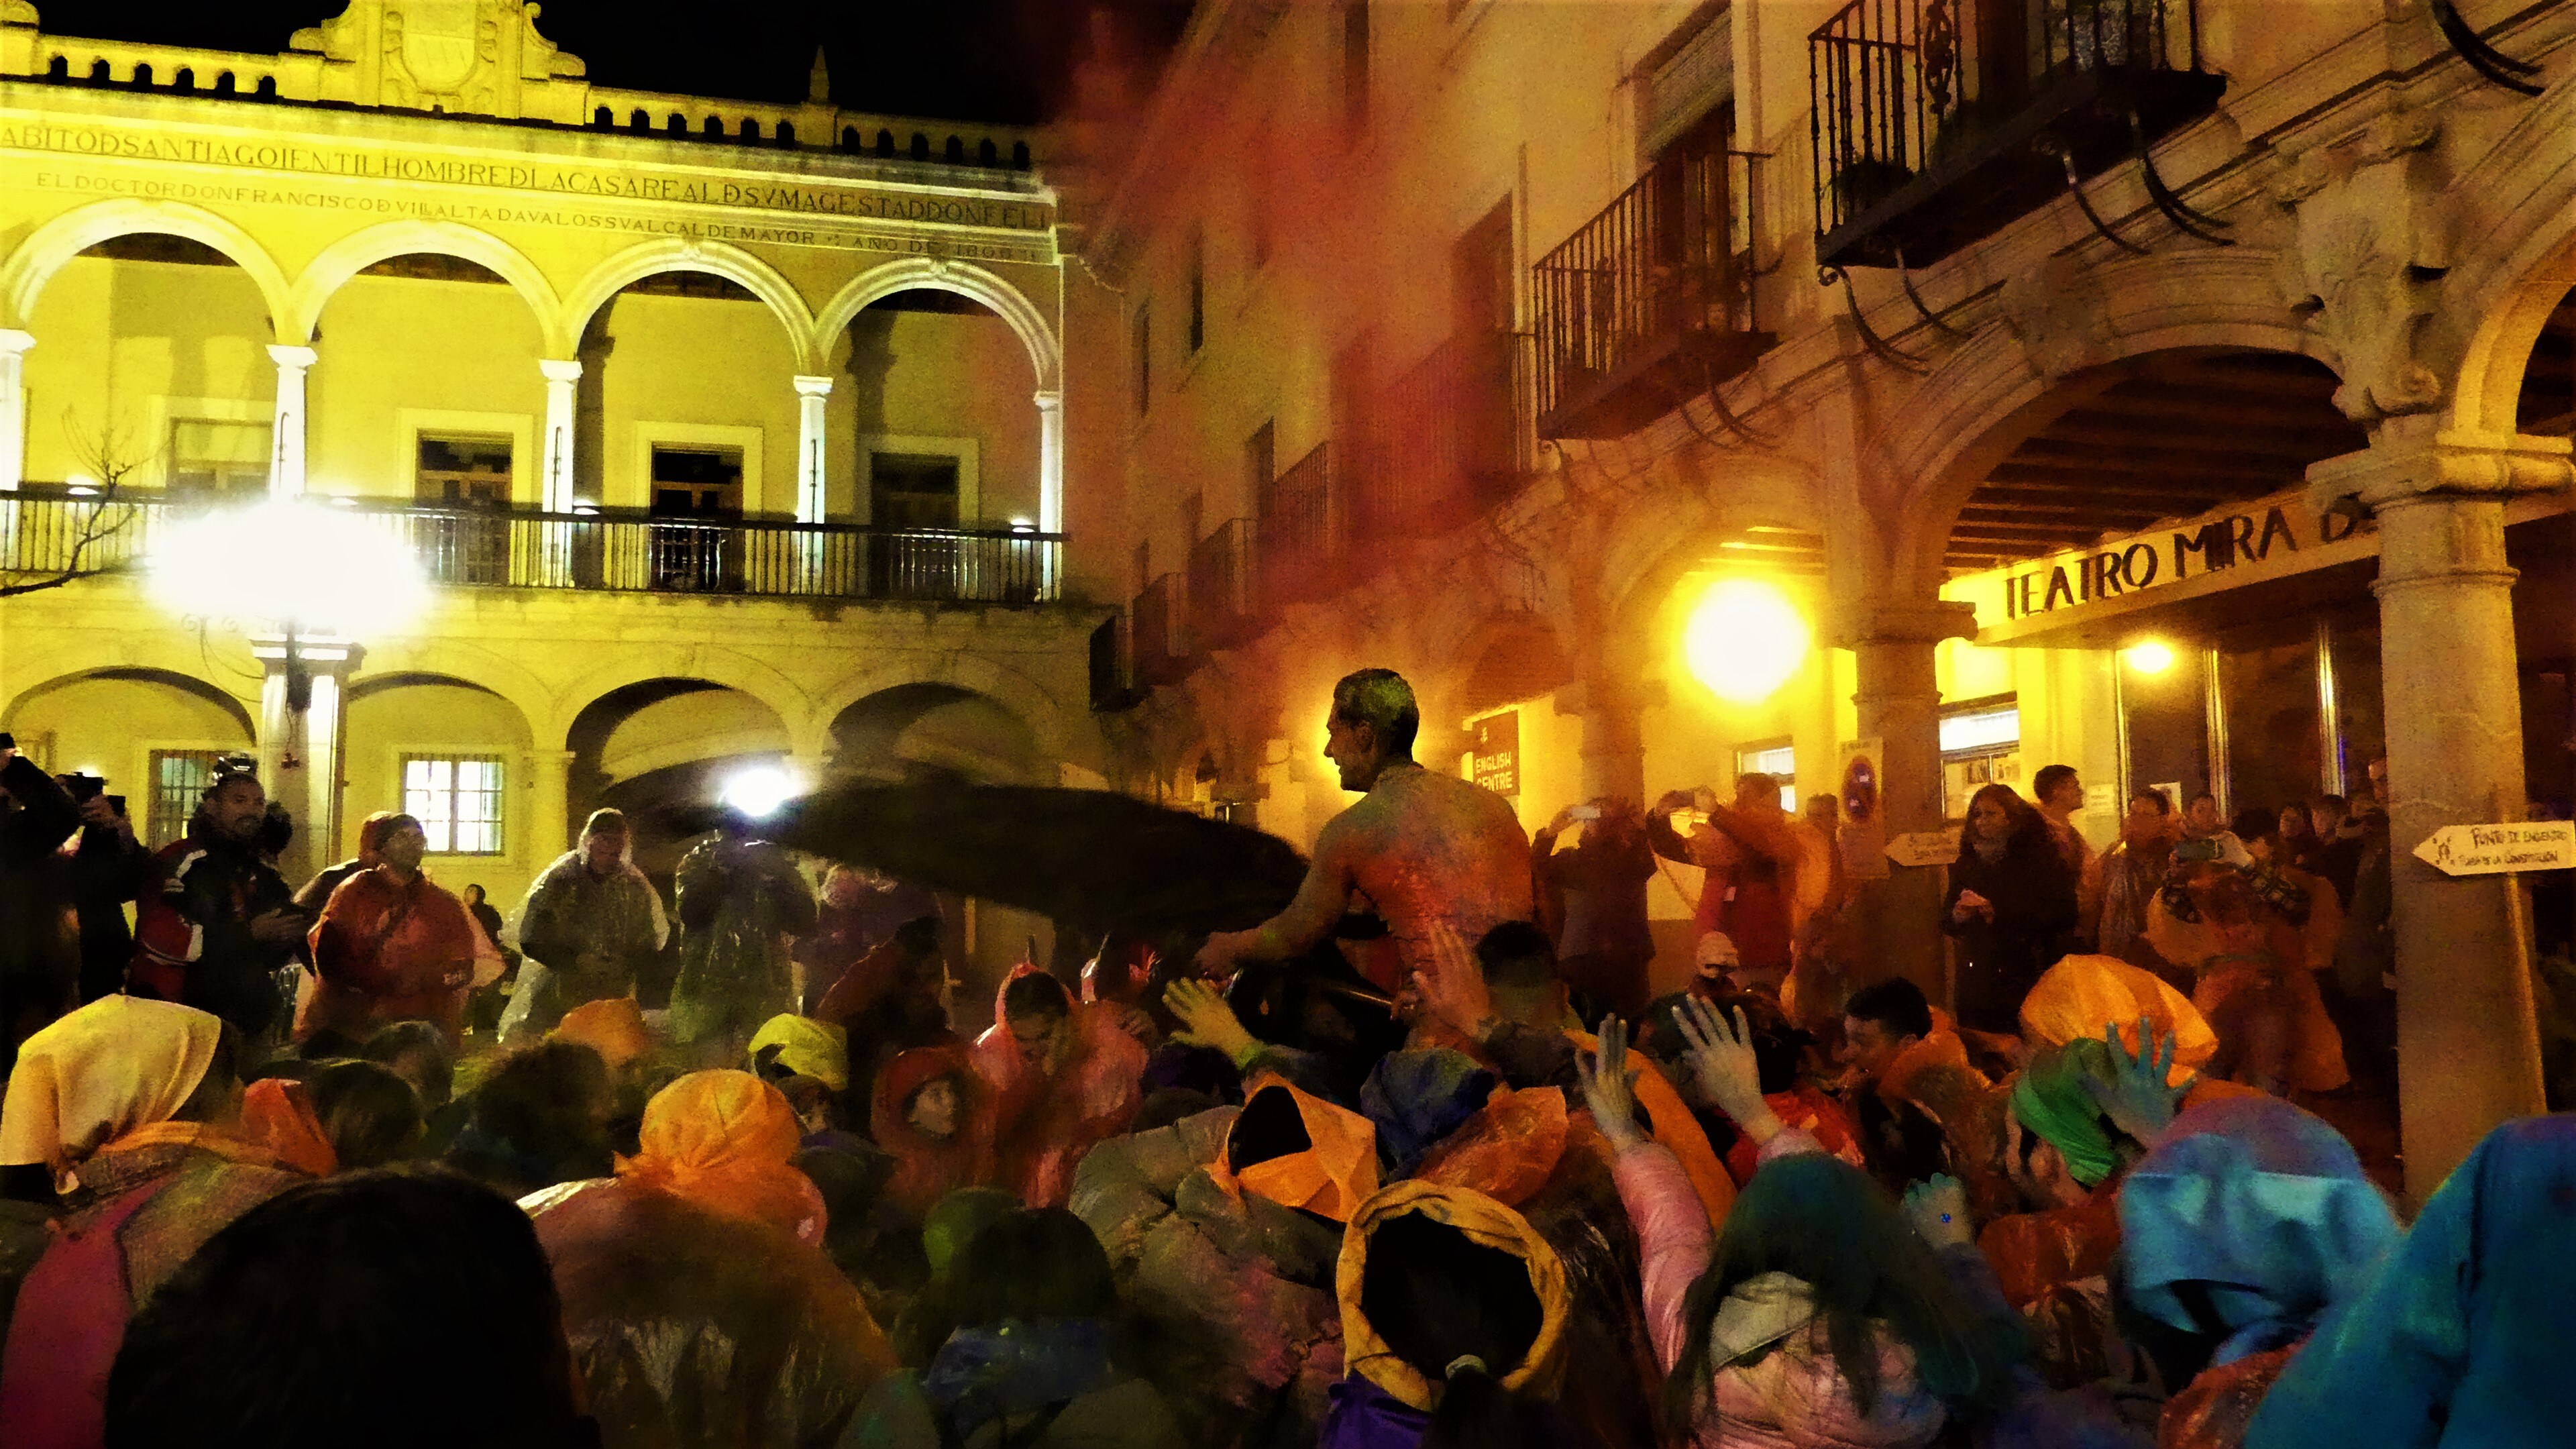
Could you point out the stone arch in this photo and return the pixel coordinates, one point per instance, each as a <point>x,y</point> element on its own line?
<point>50,246</point>
<point>939,726</point>
<point>2003,384</point>
<point>56,674</point>
<point>1046,357</point>
<point>2525,262</point>
<point>1652,549</point>
<point>683,254</point>
<point>1006,687</point>
<point>720,668</point>
<point>329,271</point>
<point>423,658</point>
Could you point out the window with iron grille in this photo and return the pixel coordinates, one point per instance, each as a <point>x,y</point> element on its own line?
<point>457,800</point>
<point>179,780</point>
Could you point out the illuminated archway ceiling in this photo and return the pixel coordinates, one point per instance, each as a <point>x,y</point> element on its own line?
<point>2181,434</point>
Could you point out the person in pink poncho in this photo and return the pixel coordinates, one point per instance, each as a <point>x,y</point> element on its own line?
<point>1063,1075</point>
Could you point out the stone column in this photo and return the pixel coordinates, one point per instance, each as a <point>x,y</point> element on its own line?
<point>549,830</point>
<point>1050,488</point>
<point>2468,1053</point>
<point>13,406</point>
<point>810,457</point>
<point>1898,700</point>
<point>1613,752</point>
<point>555,450</point>
<point>286,431</point>
<point>301,717</point>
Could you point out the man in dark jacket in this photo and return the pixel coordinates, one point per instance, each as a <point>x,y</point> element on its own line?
<point>218,921</point>
<point>38,952</point>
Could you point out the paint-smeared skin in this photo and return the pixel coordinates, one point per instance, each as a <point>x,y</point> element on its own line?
<point>1420,848</point>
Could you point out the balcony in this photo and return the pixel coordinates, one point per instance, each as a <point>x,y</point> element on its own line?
<point>1158,653</point>
<point>1221,597</point>
<point>42,533</point>
<point>1296,562</point>
<point>1650,303</point>
<point>1444,446</point>
<point>1938,122</point>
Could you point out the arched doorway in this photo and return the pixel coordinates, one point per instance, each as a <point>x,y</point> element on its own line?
<point>2155,514</point>
<point>153,735</point>
<point>660,748</point>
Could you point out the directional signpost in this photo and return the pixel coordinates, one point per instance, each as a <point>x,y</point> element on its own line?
<point>2502,848</point>
<point>1924,847</point>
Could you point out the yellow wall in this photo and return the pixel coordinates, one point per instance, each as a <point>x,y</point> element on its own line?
<point>938,375</point>
<point>387,723</point>
<point>396,348</point>
<point>116,341</point>
<point>110,726</point>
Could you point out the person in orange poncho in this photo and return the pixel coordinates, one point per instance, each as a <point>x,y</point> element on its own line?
<point>1063,1077</point>
<point>700,1307</point>
<point>935,1115</point>
<point>724,1140</point>
<point>1897,1044</point>
<point>393,945</point>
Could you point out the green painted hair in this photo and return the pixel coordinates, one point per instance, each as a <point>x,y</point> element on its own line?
<point>1380,699</point>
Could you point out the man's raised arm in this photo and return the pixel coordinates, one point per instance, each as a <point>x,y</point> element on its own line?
<point>1320,901</point>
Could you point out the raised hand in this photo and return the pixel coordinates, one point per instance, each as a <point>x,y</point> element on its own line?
<point>1454,988</point>
<point>1605,1077</point>
<point>1206,1020</point>
<point>1938,1209</point>
<point>1721,1060</point>
<point>2137,1098</point>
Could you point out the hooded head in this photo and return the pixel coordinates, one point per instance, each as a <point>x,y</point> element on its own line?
<point>724,1141</point>
<point>1301,1151</point>
<point>114,1070</point>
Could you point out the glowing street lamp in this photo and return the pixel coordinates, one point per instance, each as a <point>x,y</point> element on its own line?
<point>1744,640</point>
<point>2152,656</point>
<point>757,790</point>
<point>303,580</point>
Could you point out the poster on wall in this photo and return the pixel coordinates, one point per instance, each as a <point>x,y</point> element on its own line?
<point>1864,831</point>
<point>1495,762</point>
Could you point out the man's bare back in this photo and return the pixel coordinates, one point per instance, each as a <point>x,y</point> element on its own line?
<point>1423,848</point>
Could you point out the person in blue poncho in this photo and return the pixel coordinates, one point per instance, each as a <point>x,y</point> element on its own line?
<point>2461,1338</point>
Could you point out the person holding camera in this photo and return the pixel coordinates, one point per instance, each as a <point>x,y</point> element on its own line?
<point>217,920</point>
<point>109,867</point>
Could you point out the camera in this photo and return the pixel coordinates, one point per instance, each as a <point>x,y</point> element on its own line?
<point>1583,812</point>
<point>82,788</point>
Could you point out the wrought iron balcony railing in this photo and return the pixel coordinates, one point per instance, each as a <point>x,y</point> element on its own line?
<point>1937,122</point>
<point>42,529</point>
<point>1222,609</point>
<point>1449,439</point>
<point>1651,302</point>
<point>1158,651</point>
<point>1295,562</point>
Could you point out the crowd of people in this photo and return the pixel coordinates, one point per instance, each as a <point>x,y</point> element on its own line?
<point>1425,1160</point>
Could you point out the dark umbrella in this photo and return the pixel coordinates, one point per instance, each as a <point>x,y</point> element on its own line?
<point>1091,860</point>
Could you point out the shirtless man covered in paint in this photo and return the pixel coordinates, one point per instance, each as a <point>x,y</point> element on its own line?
<point>1420,849</point>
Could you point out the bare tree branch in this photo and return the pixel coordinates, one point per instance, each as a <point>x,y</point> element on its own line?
<point>35,556</point>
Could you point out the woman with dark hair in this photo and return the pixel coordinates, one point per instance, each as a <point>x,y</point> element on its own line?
<point>1817,1315</point>
<point>1032,1362</point>
<point>2011,904</point>
<point>1454,1317</point>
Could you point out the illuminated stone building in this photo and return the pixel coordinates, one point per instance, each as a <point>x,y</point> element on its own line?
<point>2176,389</point>
<point>725,431</point>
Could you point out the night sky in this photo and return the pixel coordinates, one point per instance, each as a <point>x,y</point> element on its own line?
<point>999,61</point>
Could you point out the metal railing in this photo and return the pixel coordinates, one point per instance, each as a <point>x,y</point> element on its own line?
<point>1668,262</point>
<point>1156,650</point>
<point>1296,555</point>
<point>1446,442</point>
<point>1896,85</point>
<point>1220,587</point>
<point>630,553</point>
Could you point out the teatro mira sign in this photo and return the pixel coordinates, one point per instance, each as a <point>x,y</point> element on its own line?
<point>2237,536</point>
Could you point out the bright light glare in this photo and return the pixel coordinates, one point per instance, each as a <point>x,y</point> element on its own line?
<point>2152,657</point>
<point>288,562</point>
<point>1744,640</point>
<point>757,790</point>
